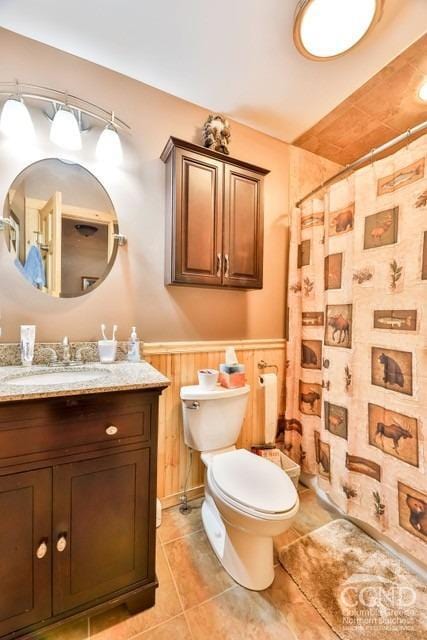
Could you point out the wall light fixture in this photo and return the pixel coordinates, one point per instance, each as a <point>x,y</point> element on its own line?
<point>15,119</point>
<point>69,115</point>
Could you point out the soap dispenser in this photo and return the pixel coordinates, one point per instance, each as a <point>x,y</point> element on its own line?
<point>134,354</point>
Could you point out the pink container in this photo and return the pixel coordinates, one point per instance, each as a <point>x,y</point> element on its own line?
<point>232,380</point>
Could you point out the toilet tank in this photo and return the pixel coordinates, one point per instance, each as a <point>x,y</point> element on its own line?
<point>213,419</point>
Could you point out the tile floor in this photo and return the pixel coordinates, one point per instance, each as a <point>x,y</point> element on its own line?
<point>198,600</point>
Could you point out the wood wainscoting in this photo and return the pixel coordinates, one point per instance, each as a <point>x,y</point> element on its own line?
<point>180,361</point>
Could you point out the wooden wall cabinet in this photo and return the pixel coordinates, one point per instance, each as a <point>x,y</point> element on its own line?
<point>214,227</point>
<point>78,528</point>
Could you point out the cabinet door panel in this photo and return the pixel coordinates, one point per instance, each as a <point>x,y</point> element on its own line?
<point>25,580</point>
<point>101,512</point>
<point>243,228</point>
<point>198,225</point>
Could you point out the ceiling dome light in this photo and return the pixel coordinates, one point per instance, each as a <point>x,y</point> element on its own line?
<point>15,121</point>
<point>109,146</point>
<point>422,91</point>
<point>86,230</point>
<point>65,131</point>
<point>324,29</point>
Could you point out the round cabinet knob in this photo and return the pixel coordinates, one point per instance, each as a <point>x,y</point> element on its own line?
<point>61,544</point>
<point>41,550</point>
<point>111,430</point>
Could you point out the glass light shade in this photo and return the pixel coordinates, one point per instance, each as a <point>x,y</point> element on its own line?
<point>422,92</point>
<point>109,147</point>
<point>16,123</point>
<point>327,28</point>
<point>65,130</point>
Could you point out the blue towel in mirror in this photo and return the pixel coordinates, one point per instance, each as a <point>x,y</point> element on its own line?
<point>34,268</point>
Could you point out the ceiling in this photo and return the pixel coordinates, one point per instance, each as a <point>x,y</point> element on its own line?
<point>381,109</point>
<point>232,56</point>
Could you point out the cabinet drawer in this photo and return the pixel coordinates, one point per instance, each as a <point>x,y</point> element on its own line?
<point>58,426</point>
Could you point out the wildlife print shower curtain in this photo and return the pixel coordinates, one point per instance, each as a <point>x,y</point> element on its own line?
<point>356,402</point>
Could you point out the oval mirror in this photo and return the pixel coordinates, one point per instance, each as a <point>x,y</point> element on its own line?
<point>60,227</point>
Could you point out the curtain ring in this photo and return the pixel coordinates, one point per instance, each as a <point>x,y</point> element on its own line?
<point>372,156</point>
<point>408,135</point>
<point>347,168</point>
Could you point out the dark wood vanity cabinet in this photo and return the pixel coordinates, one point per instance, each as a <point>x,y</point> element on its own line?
<point>214,227</point>
<point>25,533</point>
<point>77,526</point>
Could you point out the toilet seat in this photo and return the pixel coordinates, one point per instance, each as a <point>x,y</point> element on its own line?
<point>252,485</point>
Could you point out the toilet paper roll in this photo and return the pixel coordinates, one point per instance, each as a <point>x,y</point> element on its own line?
<point>269,382</point>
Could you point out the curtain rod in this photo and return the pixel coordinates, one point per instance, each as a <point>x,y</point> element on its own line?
<point>365,158</point>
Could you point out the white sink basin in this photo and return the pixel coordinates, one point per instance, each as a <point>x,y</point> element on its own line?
<point>56,377</point>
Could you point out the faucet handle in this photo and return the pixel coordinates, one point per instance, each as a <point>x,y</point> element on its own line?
<point>53,354</point>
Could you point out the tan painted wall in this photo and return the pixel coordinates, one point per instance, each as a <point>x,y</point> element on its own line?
<point>134,293</point>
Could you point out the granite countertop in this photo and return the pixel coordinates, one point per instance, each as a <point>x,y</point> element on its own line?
<point>120,376</point>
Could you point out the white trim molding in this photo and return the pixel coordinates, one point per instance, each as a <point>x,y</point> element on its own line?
<point>208,346</point>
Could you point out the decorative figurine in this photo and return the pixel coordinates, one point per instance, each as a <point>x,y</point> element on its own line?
<point>216,133</point>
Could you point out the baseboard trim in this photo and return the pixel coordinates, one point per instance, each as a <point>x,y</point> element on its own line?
<point>175,498</point>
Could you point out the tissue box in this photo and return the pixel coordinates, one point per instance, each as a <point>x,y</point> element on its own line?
<point>232,380</point>
<point>232,376</point>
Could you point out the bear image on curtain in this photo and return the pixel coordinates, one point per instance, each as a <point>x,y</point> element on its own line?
<point>413,511</point>
<point>392,369</point>
<point>311,354</point>
<point>341,221</point>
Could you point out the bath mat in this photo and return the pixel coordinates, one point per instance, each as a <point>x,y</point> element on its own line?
<point>357,586</point>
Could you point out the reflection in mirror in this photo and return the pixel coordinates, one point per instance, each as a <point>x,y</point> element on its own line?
<point>61,228</point>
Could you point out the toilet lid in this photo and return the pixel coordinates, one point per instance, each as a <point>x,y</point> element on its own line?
<point>253,481</point>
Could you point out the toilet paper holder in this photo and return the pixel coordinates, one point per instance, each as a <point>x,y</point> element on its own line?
<point>262,364</point>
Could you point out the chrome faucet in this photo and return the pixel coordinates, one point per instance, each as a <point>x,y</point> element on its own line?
<point>66,358</point>
<point>66,353</point>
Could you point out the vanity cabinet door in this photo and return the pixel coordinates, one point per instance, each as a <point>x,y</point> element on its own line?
<point>243,228</point>
<point>25,547</point>
<point>196,246</point>
<point>101,528</point>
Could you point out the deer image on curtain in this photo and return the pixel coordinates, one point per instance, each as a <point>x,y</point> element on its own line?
<point>356,400</point>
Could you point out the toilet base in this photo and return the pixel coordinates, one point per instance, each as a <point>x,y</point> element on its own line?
<point>247,558</point>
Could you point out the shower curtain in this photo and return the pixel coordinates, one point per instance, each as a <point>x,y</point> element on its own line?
<point>356,399</point>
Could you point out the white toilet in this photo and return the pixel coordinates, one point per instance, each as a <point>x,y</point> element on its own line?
<point>248,500</point>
